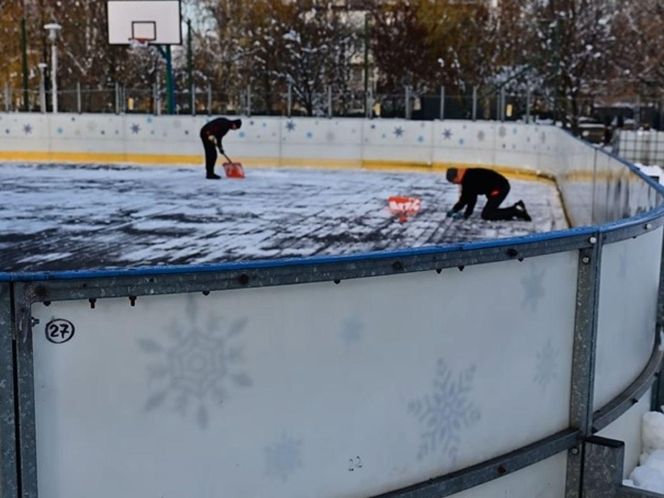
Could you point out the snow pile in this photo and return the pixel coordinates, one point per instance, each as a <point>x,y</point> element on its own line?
<point>649,475</point>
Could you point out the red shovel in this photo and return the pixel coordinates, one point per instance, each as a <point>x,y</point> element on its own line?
<point>232,169</point>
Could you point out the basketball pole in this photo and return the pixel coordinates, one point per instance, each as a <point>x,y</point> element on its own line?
<point>165,51</point>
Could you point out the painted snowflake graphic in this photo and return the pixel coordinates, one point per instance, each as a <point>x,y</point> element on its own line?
<point>200,365</point>
<point>283,457</point>
<point>420,139</point>
<point>547,365</point>
<point>351,331</point>
<point>533,288</point>
<point>446,411</point>
<point>481,135</point>
<point>27,129</point>
<point>290,125</point>
<point>309,134</point>
<point>447,134</point>
<point>135,128</point>
<point>398,131</point>
<point>502,131</point>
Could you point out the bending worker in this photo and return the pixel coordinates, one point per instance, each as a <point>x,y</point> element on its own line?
<point>480,181</point>
<point>211,135</point>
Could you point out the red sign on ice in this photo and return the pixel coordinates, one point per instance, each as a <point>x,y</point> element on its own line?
<point>403,206</point>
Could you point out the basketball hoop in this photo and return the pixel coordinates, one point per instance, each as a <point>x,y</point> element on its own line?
<point>135,43</point>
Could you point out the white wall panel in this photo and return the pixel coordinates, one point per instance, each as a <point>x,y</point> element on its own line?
<point>304,390</point>
<point>627,311</point>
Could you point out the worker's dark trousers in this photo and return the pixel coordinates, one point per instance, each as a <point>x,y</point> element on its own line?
<point>210,156</point>
<point>492,212</point>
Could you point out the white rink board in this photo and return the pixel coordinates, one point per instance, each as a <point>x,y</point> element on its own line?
<point>305,390</point>
<point>629,284</point>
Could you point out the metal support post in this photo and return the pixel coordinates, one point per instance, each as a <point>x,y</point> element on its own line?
<point>24,63</point>
<point>528,103</point>
<point>407,102</point>
<point>193,99</point>
<point>248,100</point>
<point>209,98</point>
<point>583,358</point>
<point>117,98</point>
<point>289,103</point>
<point>8,463</point>
<point>329,102</point>
<point>7,97</point>
<point>474,103</point>
<point>502,104</point>
<point>42,87</point>
<point>442,103</point>
<point>79,103</point>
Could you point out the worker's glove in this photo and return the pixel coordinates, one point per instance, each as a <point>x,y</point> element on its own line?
<point>455,215</point>
<point>212,139</point>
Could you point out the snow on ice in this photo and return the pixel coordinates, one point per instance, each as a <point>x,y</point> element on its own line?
<point>56,217</point>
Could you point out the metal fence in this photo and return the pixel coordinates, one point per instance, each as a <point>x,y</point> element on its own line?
<point>640,146</point>
<point>488,103</point>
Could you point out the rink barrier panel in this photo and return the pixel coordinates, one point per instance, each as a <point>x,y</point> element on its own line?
<point>39,291</point>
<point>42,287</point>
<point>8,443</point>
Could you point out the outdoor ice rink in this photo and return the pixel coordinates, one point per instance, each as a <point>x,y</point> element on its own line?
<point>63,217</point>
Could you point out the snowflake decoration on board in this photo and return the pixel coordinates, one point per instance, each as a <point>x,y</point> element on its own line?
<point>149,119</point>
<point>200,365</point>
<point>398,131</point>
<point>60,131</point>
<point>27,129</point>
<point>481,135</point>
<point>533,288</point>
<point>7,131</point>
<point>135,128</point>
<point>309,134</point>
<point>446,411</point>
<point>241,134</point>
<point>283,457</point>
<point>420,139</point>
<point>502,132</point>
<point>447,134</point>
<point>547,365</point>
<point>351,331</point>
<point>290,125</point>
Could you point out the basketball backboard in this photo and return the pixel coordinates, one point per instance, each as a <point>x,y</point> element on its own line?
<point>156,22</point>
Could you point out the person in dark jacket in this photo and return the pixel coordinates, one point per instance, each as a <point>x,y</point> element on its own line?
<point>211,135</point>
<point>480,181</point>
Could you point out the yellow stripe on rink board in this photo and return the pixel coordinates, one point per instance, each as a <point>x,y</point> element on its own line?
<point>271,162</point>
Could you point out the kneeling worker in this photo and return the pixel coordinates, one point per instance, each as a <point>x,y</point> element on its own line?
<point>211,135</point>
<point>480,181</point>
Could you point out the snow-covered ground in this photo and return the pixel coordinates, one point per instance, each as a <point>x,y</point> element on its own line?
<point>649,475</point>
<point>57,217</point>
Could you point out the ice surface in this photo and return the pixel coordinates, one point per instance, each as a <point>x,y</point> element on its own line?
<point>57,217</point>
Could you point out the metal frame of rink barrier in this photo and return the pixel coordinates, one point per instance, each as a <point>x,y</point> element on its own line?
<point>510,367</point>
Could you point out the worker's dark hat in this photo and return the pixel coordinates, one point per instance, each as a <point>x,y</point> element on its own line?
<point>237,123</point>
<point>451,174</point>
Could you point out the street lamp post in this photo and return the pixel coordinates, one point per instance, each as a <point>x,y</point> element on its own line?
<point>42,87</point>
<point>53,29</point>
